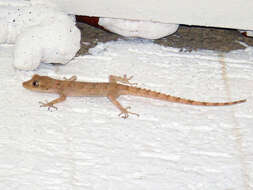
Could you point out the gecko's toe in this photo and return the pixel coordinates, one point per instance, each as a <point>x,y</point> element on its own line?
<point>51,107</point>
<point>127,79</point>
<point>48,105</point>
<point>125,113</point>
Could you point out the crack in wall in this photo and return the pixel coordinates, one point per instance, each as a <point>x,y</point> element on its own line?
<point>236,131</point>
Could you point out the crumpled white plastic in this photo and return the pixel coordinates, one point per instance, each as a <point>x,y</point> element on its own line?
<point>40,34</point>
<point>136,28</point>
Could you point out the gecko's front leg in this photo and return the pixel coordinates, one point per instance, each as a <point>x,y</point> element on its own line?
<point>51,104</point>
<point>48,105</point>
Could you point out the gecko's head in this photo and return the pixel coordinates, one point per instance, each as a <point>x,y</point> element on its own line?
<point>39,83</point>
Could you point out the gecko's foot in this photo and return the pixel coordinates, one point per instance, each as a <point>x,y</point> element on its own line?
<point>125,113</point>
<point>73,78</point>
<point>126,80</point>
<point>48,105</point>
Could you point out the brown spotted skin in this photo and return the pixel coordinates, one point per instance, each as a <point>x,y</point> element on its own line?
<point>112,90</point>
<point>134,91</point>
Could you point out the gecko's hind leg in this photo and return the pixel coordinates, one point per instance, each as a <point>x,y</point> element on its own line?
<point>124,111</point>
<point>124,79</point>
<point>73,78</point>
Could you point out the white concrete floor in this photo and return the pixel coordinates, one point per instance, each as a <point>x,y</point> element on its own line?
<point>85,145</point>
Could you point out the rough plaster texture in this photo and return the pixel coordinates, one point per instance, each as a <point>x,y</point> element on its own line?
<point>85,145</point>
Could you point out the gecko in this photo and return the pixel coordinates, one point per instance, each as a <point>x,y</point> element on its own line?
<point>116,87</point>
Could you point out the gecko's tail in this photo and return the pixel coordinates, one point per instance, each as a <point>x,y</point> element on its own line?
<point>134,91</point>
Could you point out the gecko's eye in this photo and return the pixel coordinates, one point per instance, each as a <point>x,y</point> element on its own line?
<point>35,83</point>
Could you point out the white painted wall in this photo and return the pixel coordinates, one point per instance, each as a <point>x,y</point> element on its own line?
<point>84,145</point>
<point>218,13</point>
<point>226,13</point>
